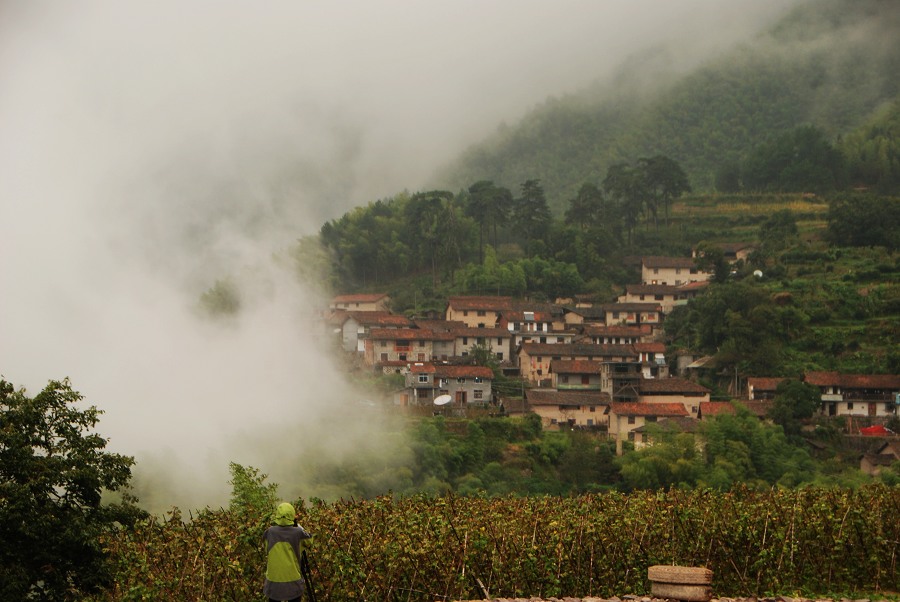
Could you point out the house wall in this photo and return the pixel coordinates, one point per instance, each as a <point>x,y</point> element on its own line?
<point>553,417</point>
<point>631,318</point>
<point>575,382</point>
<point>480,318</point>
<point>672,276</point>
<point>387,350</point>
<point>499,346</point>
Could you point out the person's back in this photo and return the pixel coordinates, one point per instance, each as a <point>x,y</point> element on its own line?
<point>284,546</point>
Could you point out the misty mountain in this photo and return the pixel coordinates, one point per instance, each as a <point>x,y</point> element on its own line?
<point>828,63</point>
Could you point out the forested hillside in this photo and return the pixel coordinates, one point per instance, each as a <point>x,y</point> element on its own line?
<point>830,63</point>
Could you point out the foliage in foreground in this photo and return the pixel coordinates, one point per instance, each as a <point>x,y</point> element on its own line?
<point>53,472</point>
<point>809,541</point>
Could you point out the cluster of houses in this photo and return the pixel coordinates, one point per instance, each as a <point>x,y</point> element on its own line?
<point>585,365</point>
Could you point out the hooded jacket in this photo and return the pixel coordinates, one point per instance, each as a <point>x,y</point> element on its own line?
<point>284,545</point>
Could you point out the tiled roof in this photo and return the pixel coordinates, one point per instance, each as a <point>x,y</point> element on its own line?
<point>670,385</point>
<point>652,347</point>
<point>485,303</point>
<point>401,334</point>
<point>854,381</point>
<point>688,287</point>
<point>463,371</point>
<point>436,325</point>
<point>647,409</point>
<point>586,312</point>
<point>579,349</point>
<point>716,408</point>
<point>657,261</point>
<point>468,331</point>
<point>359,298</point>
<point>637,307</point>
<point>552,397</point>
<point>763,383</point>
<point>519,315</point>
<point>617,330</point>
<point>383,318</point>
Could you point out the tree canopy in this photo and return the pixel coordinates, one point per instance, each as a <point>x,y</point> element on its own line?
<point>54,471</point>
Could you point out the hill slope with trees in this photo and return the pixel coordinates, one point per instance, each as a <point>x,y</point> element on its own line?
<point>831,64</point>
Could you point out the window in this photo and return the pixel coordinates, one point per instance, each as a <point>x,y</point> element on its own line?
<point>479,379</point>
<point>478,394</point>
<point>564,379</point>
<point>384,343</point>
<point>593,409</point>
<point>384,357</point>
<point>849,405</point>
<point>460,380</point>
<point>500,356</point>
<point>421,357</point>
<point>423,378</point>
<point>481,312</point>
<point>499,340</point>
<point>631,420</point>
<point>465,340</point>
<point>585,379</point>
<point>465,312</point>
<point>657,297</point>
<point>479,340</point>
<point>656,270</point>
<point>590,421</point>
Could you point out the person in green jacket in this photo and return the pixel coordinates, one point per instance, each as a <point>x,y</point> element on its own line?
<point>284,546</point>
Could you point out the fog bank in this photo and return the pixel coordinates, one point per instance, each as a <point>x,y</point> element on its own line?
<point>150,148</point>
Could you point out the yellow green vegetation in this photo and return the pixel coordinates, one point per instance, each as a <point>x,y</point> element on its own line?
<point>810,541</point>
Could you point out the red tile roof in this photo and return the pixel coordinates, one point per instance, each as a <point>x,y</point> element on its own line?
<point>854,381</point>
<point>616,330</point>
<point>650,347</point>
<point>463,371</point>
<point>763,383</point>
<point>383,318</point>
<point>647,409</point>
<point>405,334</point>
<point>716,408</point>
<point>485,303</point>
<point>636,307</point>
<point>579,349</point>
<point>671,385</point>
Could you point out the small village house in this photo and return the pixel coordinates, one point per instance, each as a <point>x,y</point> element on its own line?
<point>674,390</point>
<point>624,418</point>
<point>361,302</point>
<point>477,312</point>
<point>357,324</point>
<point>670,270</point>
<point>568,408</point>
<point>872,395</point>
<point>466,385</point>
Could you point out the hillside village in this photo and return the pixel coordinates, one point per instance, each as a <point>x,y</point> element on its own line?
<point>601,366</point>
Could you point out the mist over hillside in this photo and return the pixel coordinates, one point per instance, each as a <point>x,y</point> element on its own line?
<point>829,63</point>
<point>150,149</point>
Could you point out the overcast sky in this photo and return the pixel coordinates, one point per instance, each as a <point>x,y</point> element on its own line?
<point>150,147</point>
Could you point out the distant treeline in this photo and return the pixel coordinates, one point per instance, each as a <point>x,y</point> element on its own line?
<point>829,65</point>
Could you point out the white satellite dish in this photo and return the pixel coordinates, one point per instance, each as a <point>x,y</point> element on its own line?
<point>442,400</point>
